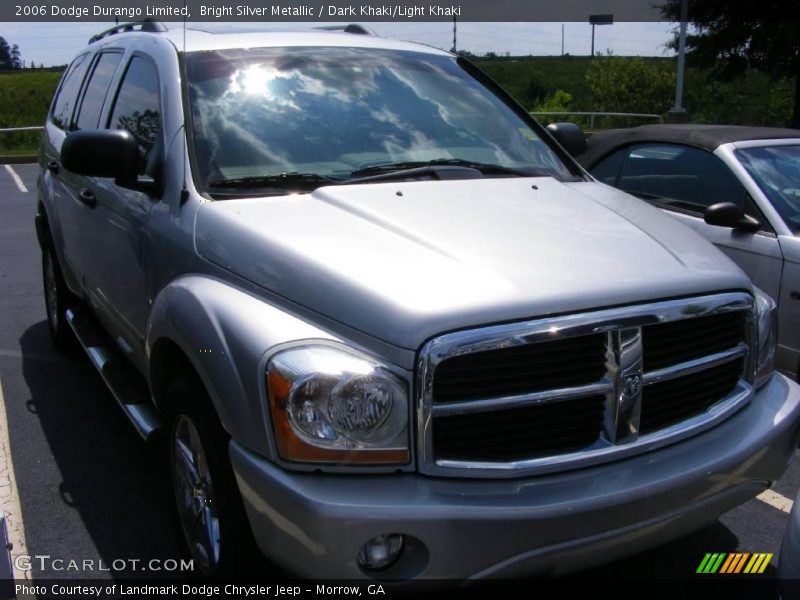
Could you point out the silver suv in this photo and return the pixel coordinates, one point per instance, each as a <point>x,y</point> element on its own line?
<point>387,326</point>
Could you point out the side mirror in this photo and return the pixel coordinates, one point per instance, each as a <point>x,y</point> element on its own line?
<point>102,153</point>
<point>570,136</point>
<point>727,214</point>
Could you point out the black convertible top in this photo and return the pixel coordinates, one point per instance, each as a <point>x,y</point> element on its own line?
<point>707,137</point>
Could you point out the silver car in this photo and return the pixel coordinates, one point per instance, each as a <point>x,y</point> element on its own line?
<point>737,186</point>
<point>386,326</point>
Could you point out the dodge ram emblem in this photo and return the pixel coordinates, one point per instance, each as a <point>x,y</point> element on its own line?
<point>632,385</point>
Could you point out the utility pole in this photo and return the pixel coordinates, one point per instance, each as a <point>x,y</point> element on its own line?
<point>455,48</point>
<point>562,39</point>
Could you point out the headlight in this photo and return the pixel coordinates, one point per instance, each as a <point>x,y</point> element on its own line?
<point>330,406</point>
<point>767,321</point>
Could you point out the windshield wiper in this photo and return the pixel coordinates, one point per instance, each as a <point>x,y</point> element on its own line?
<point>400,168</point>
<point>304,181</point>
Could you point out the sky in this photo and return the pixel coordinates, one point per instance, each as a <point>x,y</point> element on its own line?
<point>56,43</point>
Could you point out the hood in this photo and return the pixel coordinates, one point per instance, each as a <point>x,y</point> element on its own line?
<point>406,261</point>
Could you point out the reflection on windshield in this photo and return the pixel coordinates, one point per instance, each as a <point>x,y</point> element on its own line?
<point>332,111</point>
<point>776,170</point>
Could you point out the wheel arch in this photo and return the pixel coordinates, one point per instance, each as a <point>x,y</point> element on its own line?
<point>222,333</point>
<point>167,361</point>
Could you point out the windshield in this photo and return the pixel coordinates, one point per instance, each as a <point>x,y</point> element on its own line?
<point>776,170</point>
<point>277,117</point>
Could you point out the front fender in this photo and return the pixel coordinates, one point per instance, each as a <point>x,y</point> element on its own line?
<point>226,332</point>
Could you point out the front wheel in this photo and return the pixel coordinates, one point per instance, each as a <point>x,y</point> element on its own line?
<point>57,299</point>
<point>209,509</point>
<point>195,495</point>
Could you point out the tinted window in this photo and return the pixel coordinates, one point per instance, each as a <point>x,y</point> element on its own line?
<point>95,93</point>
<point>137,107</point>
<point>680,176</point>
<point>68,94</point>
<point>608,168</point>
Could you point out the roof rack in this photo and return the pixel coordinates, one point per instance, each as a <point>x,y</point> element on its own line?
<point>356,28</point>
<point>146,25</point>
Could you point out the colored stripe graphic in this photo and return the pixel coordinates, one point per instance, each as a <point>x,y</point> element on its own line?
<point>765,564</point>
<point>703,564</point>
<point>711,562</point>
<point>741,562</point>
<point>758,563</point>
<point>730,563</point>
<point>736,562</point>
<point>727,564</point>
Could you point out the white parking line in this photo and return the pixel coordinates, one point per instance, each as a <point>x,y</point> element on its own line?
<point>9,496</point>
<point>776,500</point>
<point>16,179</point>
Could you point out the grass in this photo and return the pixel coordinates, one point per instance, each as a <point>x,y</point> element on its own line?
<point>24,101</point>
<point>753,99</point>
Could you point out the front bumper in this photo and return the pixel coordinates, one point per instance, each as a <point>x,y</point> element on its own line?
<point>314,524</point>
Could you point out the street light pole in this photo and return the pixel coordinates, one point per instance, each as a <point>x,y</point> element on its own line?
<point>681,58</point>
<point>599,20</point>
<point>678,113</point>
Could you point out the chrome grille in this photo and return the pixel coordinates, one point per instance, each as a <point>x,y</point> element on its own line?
<point>520,433</point>
<point>675,400</point>
<point>521,369</point>
<point>569,391</point>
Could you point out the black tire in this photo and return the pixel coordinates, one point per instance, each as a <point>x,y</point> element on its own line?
<point>188,405</point>
<point>57,299</point>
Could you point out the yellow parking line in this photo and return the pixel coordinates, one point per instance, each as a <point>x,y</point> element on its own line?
<point>9,496</point>
<point>16,179</point>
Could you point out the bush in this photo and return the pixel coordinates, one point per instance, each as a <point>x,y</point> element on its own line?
<point>630,84</point>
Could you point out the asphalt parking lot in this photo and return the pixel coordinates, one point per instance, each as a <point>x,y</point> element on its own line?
<point>88,489</point>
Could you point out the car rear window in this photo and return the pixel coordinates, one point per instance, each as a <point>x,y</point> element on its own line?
<point>138,108</point>
<point>95,93</point>
<point>68,92</point>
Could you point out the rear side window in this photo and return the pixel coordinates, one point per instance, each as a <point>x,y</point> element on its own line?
<point>95,93</point>
<point>68,94</point>
<point>137,107</point>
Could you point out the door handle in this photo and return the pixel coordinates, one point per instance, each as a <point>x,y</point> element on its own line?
<point>53,166</point>
<point>87,197</point>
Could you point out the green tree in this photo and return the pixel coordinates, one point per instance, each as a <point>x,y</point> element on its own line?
<point>558,101</point>
<point>10,56</point>
<point>5,55</point>
<point>629,84</point>
<point>16,57</point>
<point>728,38</point>
<point>534,91</point>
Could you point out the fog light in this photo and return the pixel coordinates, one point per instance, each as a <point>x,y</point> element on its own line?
<point>381,551</point>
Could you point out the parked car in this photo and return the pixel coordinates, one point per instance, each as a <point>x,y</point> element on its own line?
<point>385,323</point>
<point>737,186</point>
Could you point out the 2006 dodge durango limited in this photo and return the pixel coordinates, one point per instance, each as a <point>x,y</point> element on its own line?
<point>386,326</point>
